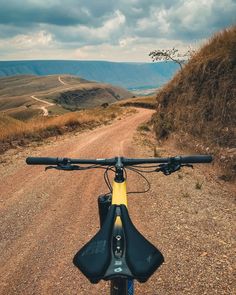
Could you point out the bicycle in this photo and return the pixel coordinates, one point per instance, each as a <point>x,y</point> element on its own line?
<point>119,252</point>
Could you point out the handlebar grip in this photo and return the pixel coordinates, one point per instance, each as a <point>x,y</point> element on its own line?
<point>196,159</point>
<point>42,161</point>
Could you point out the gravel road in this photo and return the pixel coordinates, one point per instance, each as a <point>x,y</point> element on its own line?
<point>47,217</point>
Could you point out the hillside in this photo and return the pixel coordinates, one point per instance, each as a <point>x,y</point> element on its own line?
<point>23,97</point>
<point>128,75</point>
<point>198,105</point>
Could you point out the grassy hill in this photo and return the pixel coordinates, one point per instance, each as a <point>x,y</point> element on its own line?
<point>198,106</point>
<point>24,97</point>
<point>128,75</point>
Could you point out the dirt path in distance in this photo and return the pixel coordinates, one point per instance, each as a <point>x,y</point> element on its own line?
<point>62,82</point>
<point>47,217</point>
<point>43,101</point>
<point>43,108</point>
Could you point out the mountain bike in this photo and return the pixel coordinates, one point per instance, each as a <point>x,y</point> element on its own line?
<point>119,252</point>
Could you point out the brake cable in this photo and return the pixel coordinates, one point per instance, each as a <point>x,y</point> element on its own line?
<point>146,180</point>
<point>106,178</point>
<point>166,169</point>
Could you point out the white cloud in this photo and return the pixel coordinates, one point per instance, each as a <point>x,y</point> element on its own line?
<point>157,22</point>
<point>127,42</point>
<point>80,35</point>
<point>193,15</point>
<point>28,46</point>
<point>40,39</point>
<point>109,27</point>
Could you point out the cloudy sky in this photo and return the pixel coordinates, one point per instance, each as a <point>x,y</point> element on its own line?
<point>117,30</point>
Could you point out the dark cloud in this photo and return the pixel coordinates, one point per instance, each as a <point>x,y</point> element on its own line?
<point>13,12</point>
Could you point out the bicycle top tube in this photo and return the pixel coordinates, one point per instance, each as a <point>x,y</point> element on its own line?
<point>120,161</point>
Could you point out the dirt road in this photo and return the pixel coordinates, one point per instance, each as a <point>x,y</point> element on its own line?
<point>43,108</point>
<point>43,101</point>
<point>47,217</point>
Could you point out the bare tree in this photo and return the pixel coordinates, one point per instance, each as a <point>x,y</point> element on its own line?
<point>171,54</point>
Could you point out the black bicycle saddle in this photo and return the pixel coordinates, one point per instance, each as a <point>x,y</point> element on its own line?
<point>139,260</point>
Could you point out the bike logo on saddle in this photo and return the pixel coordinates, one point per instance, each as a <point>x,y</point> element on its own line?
<point>118,262</point>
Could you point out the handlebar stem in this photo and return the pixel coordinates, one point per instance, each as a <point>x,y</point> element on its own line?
<point>119,177</point>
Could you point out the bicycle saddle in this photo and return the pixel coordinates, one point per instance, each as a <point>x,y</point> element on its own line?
<point>97,259</point>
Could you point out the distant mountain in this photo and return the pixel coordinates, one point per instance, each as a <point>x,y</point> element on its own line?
<point>128,75</point>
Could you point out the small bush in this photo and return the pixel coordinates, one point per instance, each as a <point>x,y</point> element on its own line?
<point>144,127</point>
<point>198,185</point>
<point>185,195</point>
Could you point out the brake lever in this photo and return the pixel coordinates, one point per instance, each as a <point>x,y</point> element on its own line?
<point>187,165</point>
<point>64,167</point>
<point>169,168</point>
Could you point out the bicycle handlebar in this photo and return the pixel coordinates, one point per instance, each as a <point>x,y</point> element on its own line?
<point>196,159</point>
<point>42,161</point>
<point>125,161</point>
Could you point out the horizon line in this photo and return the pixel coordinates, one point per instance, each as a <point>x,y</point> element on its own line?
<point>77,60</point>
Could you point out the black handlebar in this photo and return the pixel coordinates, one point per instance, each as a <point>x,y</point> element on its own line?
<point>196,159</point>
<point>124,161</point>
<point>43,161</point>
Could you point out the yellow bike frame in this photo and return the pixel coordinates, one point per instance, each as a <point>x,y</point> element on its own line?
<point>119,197</point>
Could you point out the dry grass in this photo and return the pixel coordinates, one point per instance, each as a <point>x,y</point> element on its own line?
<point>148,102</point>
<point>23,114</point>
<point>9,125</point>
<point>143,127</point>
<point>15,132</point>
<point>199,102</point>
